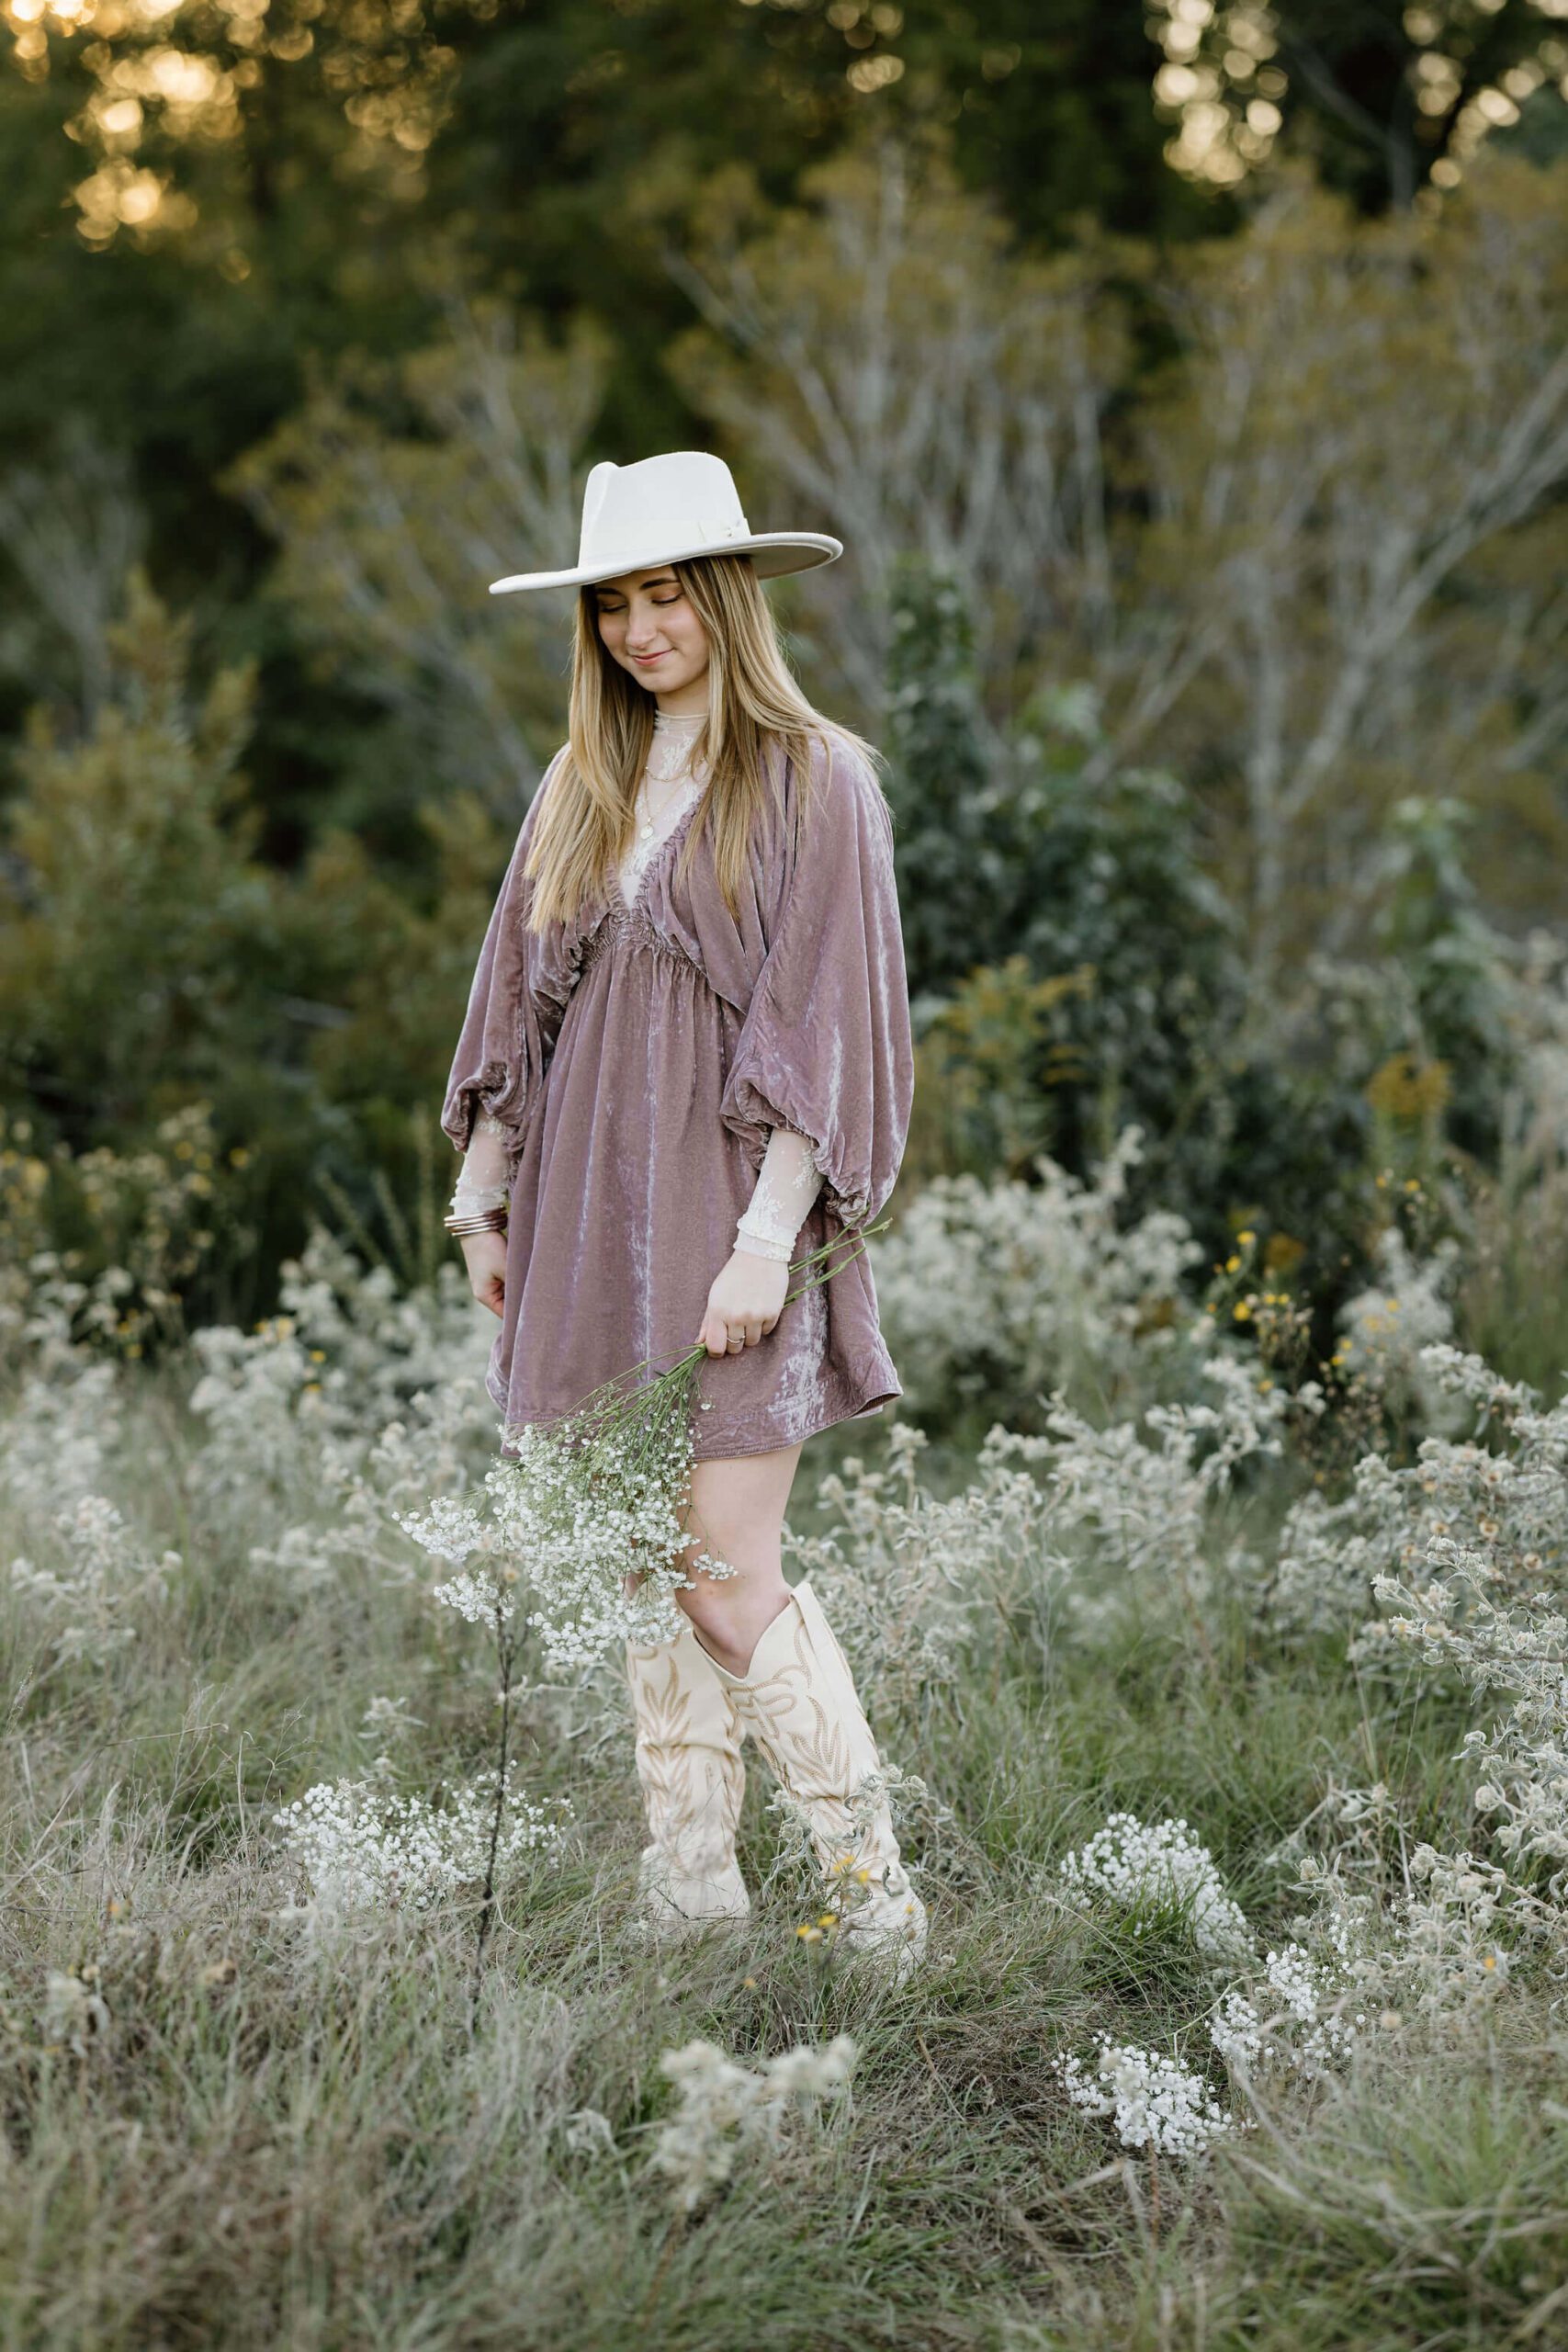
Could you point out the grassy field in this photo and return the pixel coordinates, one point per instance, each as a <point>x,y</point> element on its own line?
<point>231,2115</point>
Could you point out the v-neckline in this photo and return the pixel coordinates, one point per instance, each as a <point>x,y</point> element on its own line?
<point>629,906</point>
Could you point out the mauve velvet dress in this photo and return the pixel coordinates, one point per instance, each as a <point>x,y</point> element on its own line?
<point>638,1057</point>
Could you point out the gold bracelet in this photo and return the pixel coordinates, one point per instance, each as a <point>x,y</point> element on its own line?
<point>476,1221</point>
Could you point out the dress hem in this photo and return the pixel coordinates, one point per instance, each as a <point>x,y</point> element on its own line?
<point>775,1445</point>
<point>857,1404</point>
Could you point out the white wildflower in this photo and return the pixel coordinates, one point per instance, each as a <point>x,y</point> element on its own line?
<point>389,1718</point>
<point>1290,2023</point>
<point>1386,1328</point>
<point>74,2012</point>
<point>571,1534</point>
<point>362,1847</point>
<point>725,2108</point>
<point>449,1527</point>
<point>478,1599</point>
<point>1161,1867</point>
<point>100,1572</point>
<point>1056,1292</point>
<point>1153,2102</point>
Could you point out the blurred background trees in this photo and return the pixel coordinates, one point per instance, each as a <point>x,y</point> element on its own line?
<point>1190,389</point>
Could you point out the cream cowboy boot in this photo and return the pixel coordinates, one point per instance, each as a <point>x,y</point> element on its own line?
<point>797,1699</point>
<point>688,1760</point>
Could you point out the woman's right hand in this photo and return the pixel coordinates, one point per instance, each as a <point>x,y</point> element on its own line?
<point>484,1254</point>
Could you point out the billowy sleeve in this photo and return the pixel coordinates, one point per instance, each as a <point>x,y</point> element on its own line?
<point>825,1048</point>
<point>786,1188</point>
<point>514,1009</point>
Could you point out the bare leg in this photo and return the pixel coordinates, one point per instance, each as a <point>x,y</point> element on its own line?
<point>735,1510</point>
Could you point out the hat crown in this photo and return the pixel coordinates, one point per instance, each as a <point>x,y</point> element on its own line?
<point>672,500</point>
<point>672,508</point>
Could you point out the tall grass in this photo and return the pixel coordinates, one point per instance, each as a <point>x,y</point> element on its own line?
<point>223,2123</point>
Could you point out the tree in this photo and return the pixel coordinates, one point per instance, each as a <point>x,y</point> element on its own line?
<point>393,496</point>
<point>882,360</point>
<point>1385,96</point>
<point>137,920</point>
<point>1347,583</point>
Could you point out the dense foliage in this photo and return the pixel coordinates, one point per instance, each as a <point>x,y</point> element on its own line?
<point>1200,577</point>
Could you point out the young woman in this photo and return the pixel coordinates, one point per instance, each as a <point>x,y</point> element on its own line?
<point>687,1062</point>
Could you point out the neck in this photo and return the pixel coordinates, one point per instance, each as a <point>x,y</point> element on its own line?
<point>689,701</point>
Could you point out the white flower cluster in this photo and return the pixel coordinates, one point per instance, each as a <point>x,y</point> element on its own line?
<point>362,1847</point>
<point>725,2108</point>
<point>1290,2023</point>
<point>1161,1868</point>
<point>1384,1328</point>
<point>1153,2102</point>
<point>1141,1509</point>
<point>1466,1550</point>
<point>62,1429</point>
<point>478,1600</point>
<point>1056,1295</point>
<point>1465,1620</point>
<point>318,1389</point>
<point>1436,1945</point>
<point>450,1527</point>
<point>571,1533</point>
<point>911,1572</point>
<point>1507,1501</point>
<point>101,1572</point>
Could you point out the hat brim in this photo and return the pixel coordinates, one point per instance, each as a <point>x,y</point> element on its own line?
<point>774,553</point>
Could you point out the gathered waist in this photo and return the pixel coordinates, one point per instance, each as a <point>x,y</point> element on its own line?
<point>619,923</point>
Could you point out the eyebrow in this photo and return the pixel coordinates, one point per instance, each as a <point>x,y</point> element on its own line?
<point>653,580</point>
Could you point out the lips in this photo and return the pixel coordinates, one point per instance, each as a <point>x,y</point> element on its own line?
<point>646,658</point>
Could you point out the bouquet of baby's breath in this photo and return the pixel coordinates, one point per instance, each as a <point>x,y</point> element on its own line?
<point>584,1510</point>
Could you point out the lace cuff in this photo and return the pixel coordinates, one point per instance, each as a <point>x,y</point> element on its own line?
<point>787,1184</point>
<point>482,1180</point>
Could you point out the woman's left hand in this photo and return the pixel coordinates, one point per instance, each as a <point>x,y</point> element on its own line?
<point>744,1304</point>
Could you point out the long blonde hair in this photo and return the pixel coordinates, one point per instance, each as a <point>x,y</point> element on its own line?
<point>585,828</point>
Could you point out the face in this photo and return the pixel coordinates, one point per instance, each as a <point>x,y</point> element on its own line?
<point>648,625</point>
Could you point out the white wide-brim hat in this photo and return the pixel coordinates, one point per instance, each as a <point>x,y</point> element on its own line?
<point>666,509</point>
